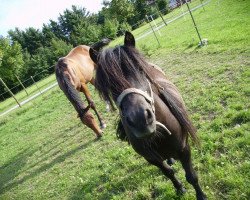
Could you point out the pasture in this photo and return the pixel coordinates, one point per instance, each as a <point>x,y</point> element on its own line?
<point>47,153</point>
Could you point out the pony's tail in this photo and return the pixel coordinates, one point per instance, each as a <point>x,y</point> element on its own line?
<point>99,45</point>
<point>180,113</point>
<point>68,89</point>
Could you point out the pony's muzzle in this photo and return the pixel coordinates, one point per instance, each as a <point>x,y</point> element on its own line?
<point>142,124</point>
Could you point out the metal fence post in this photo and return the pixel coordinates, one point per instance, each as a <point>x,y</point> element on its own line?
<point>153,30</point>
<point>22,85</point>
<point>194,23</point>
<point>10,92</point>
<point>36,84</point>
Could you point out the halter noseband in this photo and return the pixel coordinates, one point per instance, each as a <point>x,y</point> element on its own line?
<point>148,97</point>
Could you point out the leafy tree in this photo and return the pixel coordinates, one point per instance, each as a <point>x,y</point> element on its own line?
<point>162,6</point>
<point>48,34</point>
<point>57,30</point>
<point>11,61</point>
<point>110,28</point>
<point>31,39</point>
<point>141,9</point>
<point>85,33</point>
<point>122,10</point>
<point>72,21</point>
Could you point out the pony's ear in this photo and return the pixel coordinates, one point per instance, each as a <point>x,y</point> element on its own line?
<point>93,54</point>
<point>129,39</point>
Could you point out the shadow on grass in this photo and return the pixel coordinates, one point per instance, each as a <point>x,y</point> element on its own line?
<point>127,187</point>
<point>10,170</point>
<point>13,168</point>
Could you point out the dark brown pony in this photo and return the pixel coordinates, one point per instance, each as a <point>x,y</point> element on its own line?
<point>153,116</point>
<point>73,72</point>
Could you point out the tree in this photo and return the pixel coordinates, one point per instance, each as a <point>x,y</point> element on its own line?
<point>30,39</point>
<point>110,28</point>
<point>122,10</point>
<point>72,22</point>
<point>162,6</point>
<point>11,61</point>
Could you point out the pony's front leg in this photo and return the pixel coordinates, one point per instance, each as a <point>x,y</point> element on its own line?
<point>191,175</point>
<point>86,92</point>
<point>169,172</point>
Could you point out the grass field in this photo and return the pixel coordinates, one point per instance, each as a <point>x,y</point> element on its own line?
<point>46,153</point>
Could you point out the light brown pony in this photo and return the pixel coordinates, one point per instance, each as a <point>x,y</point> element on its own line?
<point>73,72</point>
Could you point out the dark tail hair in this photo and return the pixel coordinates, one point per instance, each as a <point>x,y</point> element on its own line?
<point>99,45</point>
<point>178,110</point>
<point>68,89</point>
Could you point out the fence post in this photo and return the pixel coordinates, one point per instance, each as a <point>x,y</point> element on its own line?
<point>160,14</point>
<point>152,19</point>
<point>201,43</point>
<point>10,92</point>
<point>153,30</point>
<point>22,85</point>
<point>36,84</point>
<point>202,4</point>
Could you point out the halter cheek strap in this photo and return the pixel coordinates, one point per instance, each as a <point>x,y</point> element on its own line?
<point>148,97</point>
<point>133,90</point>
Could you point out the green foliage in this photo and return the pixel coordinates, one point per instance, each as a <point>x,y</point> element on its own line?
<point>11,60</point>
<point>59,48</point>
<point>85,34</point>
<point>122,10</point>
<point>123,27</point>
<point>110,28</point>
<point>162,6</point>
<point>30,39</point>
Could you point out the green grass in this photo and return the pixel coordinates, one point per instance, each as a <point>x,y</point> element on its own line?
<point>46,153</point>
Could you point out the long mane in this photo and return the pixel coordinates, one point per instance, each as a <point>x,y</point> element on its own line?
<point>115,65</point>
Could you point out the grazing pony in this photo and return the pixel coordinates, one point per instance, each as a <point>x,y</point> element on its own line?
<point>73,72</point>
<point>153,118</point>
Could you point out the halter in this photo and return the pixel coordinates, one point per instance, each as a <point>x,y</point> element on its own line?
<point>149,98</point>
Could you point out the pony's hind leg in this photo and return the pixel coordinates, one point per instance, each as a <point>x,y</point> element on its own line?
<point>191,175</point>
<point>86,92</point>
<point>169,172</point>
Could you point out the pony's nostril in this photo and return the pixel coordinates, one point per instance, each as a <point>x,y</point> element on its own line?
<point>148,116</point>
<point>130,122</point>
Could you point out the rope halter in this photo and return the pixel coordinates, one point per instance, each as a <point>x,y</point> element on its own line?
<point>149,98</point>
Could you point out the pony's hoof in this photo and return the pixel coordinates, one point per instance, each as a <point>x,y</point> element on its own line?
<point>103,126</point>
<point>181,191</point>
<point>170,161</point>
<point>98,137</point>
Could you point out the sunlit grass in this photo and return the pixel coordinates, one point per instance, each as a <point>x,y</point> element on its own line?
<point>47,153</point>
<point>31,90</point>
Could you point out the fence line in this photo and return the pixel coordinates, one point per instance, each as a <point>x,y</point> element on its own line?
<point>26,80</point>
<point>31,98</point>
<point>172,20</point>
<point>145,32</point>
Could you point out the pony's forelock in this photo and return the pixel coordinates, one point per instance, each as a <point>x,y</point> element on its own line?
<point>114,66</point>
